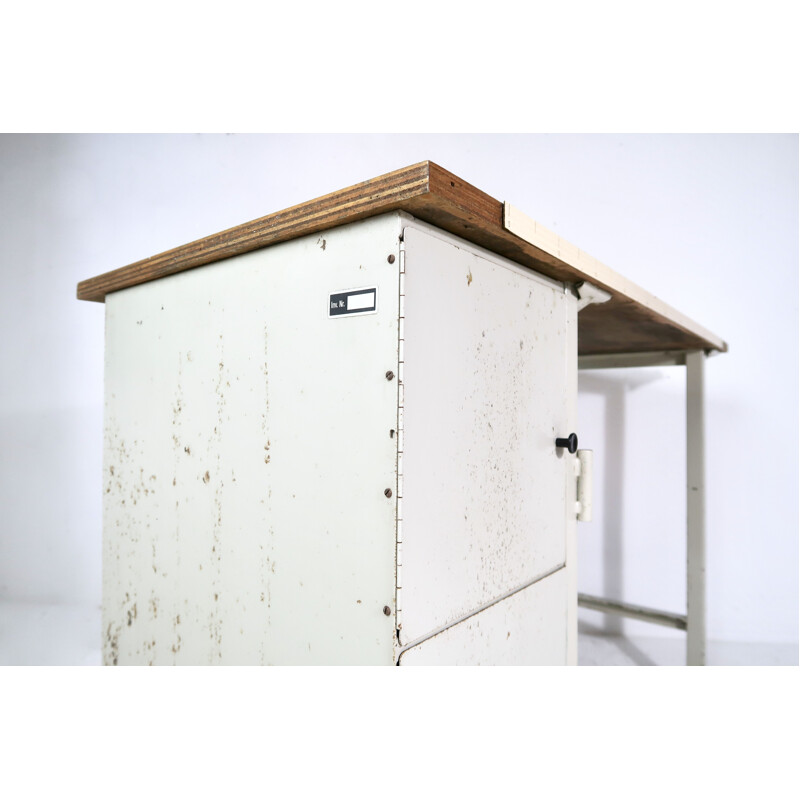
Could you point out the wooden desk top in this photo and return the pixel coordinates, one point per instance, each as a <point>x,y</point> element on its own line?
<point>631,321</point>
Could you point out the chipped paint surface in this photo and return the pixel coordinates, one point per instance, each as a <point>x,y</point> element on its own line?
<point>486,371</point>
<point>246,457</point>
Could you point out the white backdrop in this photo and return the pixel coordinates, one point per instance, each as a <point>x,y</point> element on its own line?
<point>708,223</point>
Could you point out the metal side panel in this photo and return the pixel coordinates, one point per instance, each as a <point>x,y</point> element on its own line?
<point>247,454</point>
<point>527,628</point>
<point>486,363</point>
<point>571,402</point>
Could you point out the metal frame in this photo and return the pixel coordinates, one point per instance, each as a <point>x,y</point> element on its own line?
<point>694,622</point>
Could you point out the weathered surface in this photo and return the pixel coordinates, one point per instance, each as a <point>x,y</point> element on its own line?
<point>628,322</point>
<point>247,451</point>
<point>486,373</point>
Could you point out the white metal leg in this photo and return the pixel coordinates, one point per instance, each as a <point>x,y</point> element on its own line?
<point>696,510</point>
<point>695,619</point>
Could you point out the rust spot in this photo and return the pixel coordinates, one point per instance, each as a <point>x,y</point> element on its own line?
<point>112,640</point>
<point>469,277</point>
<point>206,477</point>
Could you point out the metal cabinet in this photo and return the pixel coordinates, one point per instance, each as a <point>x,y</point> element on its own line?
<point>340,449</point>
<point>338,434</point>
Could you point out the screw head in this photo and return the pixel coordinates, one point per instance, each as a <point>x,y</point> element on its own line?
<point>388,492</point>
<point>389,375</point>
<point>387,611</point>
<point>390,259</point>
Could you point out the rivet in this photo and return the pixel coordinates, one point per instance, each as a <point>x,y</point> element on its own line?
<point>387,611</point>
<point>390,259</point>
<point>389,375</point>
<point>388,492</point>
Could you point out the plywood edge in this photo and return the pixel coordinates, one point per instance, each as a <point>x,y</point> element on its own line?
<point>368,198</point>
<point>535,234</point>
<point>632,320</point>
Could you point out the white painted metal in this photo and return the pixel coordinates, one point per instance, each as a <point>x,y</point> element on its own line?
<point>696,510</point>
<point>516,630</point>
<point>666,358</point>
<point>536,234</point>
<point>585,471</point>
<point>247,450</point>
<point>400,444</point>
<point>634,612</point>
<point>570,400</point>
<point>591,294</point>
<point>489,378</point>
<point>251,438</point>
<point>695,620</point>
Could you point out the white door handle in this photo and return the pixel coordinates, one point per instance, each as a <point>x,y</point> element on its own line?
<point>583,472</point>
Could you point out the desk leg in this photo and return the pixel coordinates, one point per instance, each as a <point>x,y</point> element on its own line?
<point>696,510</point>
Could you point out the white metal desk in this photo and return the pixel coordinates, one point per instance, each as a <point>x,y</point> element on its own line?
<point>476,245</point>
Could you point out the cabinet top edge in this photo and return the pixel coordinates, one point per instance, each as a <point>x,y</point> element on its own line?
<point>631,321</point>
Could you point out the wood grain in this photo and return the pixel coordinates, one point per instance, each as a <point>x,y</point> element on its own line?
<point>434,195</point>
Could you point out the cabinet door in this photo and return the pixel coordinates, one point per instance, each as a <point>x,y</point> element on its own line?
<point>487,376</point>
<point>525,628</point>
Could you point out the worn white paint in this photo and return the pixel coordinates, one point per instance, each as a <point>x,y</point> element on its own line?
<point>489,364</point>
<point>516,630</point>
<point>247,452</point>
<point>251,440</point>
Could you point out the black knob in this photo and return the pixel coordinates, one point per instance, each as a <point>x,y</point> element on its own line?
<point>571,443</point>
